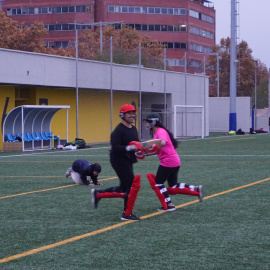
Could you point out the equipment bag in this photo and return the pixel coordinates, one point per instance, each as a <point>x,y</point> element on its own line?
<point>80,143</point>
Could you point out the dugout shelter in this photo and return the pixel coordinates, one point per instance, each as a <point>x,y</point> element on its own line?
<point>28,128</point>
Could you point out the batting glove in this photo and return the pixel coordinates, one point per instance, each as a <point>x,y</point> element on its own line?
<point>134,146</point>
<point>140,154</point>
<point>152,149</point>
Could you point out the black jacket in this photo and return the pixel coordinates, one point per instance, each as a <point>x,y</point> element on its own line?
<point>84,168</point>
<point>120,138</point>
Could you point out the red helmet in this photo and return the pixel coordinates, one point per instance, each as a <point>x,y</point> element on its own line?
<point>126,108</point>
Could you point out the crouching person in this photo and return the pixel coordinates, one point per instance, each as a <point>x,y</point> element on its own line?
<point>81,169</point>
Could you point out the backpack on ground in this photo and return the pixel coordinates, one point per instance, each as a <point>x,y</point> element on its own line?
<point>80,143</point>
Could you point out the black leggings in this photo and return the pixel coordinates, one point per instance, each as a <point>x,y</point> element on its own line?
<point>167,173</point>
<point>125,175</point>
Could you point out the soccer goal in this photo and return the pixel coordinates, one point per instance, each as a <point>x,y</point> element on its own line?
<point>188,121</point>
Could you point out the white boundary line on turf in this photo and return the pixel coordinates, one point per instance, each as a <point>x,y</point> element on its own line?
<point>54,152</point>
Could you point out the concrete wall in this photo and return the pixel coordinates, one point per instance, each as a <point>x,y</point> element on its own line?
<point>219,110</point>
<point>58,74</point>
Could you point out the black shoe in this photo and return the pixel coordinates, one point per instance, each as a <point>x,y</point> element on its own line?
<point>200,190</point>
<point>170,208</point>
<point>95,200</point>
<point>131,217</point>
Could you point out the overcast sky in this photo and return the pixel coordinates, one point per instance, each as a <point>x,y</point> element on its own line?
<point>254,17</point>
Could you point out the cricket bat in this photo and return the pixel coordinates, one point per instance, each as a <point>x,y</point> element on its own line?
<point>150,143</point>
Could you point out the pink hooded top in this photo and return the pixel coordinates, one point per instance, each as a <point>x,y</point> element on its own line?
<point>167,155</point>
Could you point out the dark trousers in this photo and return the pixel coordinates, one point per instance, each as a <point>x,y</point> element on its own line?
<point>166,173</point>
<point>126,176</point>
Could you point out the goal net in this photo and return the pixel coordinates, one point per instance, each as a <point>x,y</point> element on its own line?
<point>188,121</point>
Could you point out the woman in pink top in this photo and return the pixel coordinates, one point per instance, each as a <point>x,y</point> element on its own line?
<point>169,166</point>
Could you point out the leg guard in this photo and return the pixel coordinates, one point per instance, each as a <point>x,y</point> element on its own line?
<point>159,192</point>
<point>184,189</point>
<point>135,187</point>
<point>110,195</point>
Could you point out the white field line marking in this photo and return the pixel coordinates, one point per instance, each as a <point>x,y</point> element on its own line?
<point>54,152</point>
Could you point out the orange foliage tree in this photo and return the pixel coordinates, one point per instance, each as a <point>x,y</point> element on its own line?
<point>245,69</point>
<point>125,43</point>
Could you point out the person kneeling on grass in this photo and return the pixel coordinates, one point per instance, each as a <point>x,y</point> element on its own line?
<point>169,166</point>
<point>81,169</point>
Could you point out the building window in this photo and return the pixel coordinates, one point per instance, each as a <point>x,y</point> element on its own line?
<point>164,28</point>
<point>110,8</point>
<point>131,9</point>
<point>147,10</point>
<point>194,14</point>
<point>183,11</point>
<point>57,27</point>
<point>170,45</point>
<point>137,9</point>
<point>71,27</point>
<point>71,9</point>
<point>151,27</point>
<point>65,27</point>
<point>157,27</point>
<point>200,16</point>
<point>31,11</point>
<point>151,10</point>
<point>64,9</point>
<point>175,45</point>
<point>157,10</point>
<point>56,9</point>
<point>176,62</point>
<point>170,28</point>
<point>201,32</point>
<point>193,63</point>
<point>48,10</point>
<point>144,27</point>
<point>138,27</point>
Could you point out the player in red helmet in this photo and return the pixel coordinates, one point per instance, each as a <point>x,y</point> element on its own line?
<point>122,158</point>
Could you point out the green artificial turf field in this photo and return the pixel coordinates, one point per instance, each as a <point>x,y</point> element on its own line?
<point>47,222</point>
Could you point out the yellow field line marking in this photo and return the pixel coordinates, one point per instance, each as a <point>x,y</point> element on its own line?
<point>234,140</point>
<point>43,190</point>
<point>76,238</point>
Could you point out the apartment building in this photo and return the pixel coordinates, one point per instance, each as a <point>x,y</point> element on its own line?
<point>187,27</point>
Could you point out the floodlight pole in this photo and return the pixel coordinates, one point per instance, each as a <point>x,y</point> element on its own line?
<point>165,90</point>
<point>186,91</point>
<point>232,116</point>
<point>100,37</point>
<point>204,89</point>
<point>140,89</point>
<point>269,91</point>
<point>255,95</point>
<point>185,78</point>
<point>77,88</point>
<point>111,78</point>
<point>217,74</point>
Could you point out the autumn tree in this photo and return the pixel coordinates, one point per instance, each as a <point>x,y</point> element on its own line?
<point>28,38</point>
<point>125,47</point>
<point>245,70</point>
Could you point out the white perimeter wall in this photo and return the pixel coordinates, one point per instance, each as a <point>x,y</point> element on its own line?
<point>219,110</point>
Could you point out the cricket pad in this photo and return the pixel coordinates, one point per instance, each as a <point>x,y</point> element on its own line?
<point>152,180</point>
<point>135,187</point>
